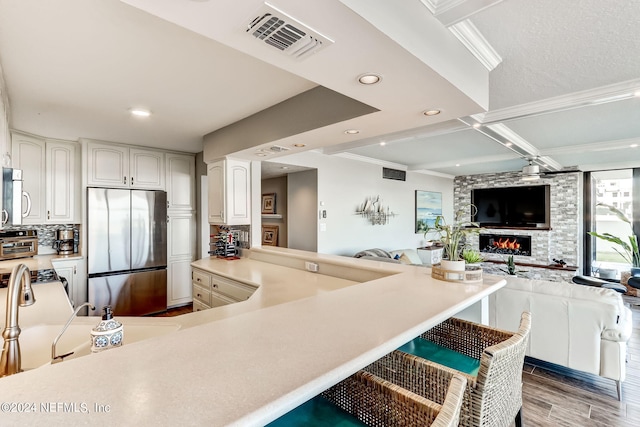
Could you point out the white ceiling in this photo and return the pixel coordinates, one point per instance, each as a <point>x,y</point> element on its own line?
<point>561,93</point>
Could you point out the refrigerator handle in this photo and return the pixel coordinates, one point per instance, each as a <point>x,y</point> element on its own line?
<point>28,210</point>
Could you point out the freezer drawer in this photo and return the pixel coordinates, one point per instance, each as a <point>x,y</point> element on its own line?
<point>133,294</point>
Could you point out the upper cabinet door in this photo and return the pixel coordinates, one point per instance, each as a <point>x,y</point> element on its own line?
<point>28,154</point>
<point>229,192</point>
<point>107,165</point>
<point>147,169</point>
<point>118,166</point>
<point>61,182</point>
<point>180,181</point>
<point>216,192</point>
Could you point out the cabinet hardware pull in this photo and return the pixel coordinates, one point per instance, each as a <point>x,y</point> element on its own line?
<point>215,285</point>
<point>198,279</point>
<point>48,214</point>
<point>124,180</point>
<point>74,269</point>
<point>131,180</point>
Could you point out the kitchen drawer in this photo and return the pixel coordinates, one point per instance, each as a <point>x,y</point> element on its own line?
<point>201,278</point>
<point>218,300</point>
<point>198,306</point>
<point>234,290</point>
<point>201,294</point>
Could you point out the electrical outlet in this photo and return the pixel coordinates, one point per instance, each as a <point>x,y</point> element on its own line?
<point>311,266</point>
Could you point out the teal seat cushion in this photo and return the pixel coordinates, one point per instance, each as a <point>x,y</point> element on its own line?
<point>317,412</point>
<point>442,355</point>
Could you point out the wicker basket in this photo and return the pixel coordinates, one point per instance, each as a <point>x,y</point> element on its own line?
<point>377,402</point>
<point>470,275</point>
<point>494,397</point>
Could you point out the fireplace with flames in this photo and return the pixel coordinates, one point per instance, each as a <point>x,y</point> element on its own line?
<point>505,244</point>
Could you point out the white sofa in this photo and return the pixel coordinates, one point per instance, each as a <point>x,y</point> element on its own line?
<point>579,327</point>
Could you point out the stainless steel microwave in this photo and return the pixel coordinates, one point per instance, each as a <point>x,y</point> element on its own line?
<point>13,196</point>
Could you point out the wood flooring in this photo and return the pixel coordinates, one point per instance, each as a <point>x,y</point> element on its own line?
<point>556,396</point>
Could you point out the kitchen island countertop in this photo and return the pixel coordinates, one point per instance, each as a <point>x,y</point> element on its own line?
<point>249,364</point>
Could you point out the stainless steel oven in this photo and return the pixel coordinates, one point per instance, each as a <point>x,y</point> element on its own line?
<point>18,244</point>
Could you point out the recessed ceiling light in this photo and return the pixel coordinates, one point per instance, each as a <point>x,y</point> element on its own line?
<point>476,125</point>
<point>299,145</point>
<point>140,112</point>
<point>508,144</point>
<point>351,131</point>
<point>369,79</point>
<point>261,154</point>
<point>636,94</point>
<point>431,112</point>
<point>284,167</point>
<point>457,165</point>
<point>383,143</point>
<point>633,145</point>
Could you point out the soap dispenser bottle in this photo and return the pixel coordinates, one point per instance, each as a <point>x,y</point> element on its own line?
<point>108,333</point>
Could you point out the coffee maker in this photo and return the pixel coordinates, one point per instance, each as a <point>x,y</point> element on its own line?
<point>64,241</point>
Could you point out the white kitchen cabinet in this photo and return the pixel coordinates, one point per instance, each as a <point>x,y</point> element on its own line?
<point>61,179</point>
<point>180,176</point>
<point>229,192</point>
<point>178,282</point>
<point>180,254</point>
<point>119,166</point>
<point>211,290</point>
<point>28,154</point>
<point>73,271</point>
<point>49,176</point>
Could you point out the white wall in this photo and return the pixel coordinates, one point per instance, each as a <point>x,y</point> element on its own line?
<point>343,185</point>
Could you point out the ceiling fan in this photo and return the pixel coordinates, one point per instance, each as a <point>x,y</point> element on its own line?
<point>531,172</point>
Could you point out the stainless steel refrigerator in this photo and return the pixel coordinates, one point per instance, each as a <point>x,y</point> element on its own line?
<point>127,250</point>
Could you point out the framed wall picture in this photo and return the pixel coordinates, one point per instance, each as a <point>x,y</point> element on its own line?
<point>428,207</point>
<point>269,203</point>
<point>270,235</point>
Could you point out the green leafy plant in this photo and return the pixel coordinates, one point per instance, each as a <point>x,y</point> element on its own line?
<point>453,236</point>
<point>629,246</point>
<point>471,256</point>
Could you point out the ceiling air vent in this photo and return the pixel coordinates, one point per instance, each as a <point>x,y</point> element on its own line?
<point>281,31</point>
<point>398,175</point>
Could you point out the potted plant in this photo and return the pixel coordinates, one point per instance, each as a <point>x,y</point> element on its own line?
<point>472,256</point>
<point>628,246</point>
<point>453,238</point>
<point>511,267</point>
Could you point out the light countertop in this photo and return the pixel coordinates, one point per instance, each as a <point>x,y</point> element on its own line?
<point>251,362</point>
<point>38,262</point>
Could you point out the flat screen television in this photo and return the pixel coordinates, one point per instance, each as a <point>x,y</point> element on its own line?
<point>512,207</point>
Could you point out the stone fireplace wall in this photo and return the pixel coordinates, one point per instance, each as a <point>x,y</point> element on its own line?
<point>563,241</point>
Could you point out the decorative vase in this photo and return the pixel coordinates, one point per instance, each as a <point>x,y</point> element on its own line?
<point>635,271</point>
<point>452,265</point>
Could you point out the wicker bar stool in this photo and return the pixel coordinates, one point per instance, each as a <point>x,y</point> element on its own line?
<point>493,397</point>
<point>363,399</point>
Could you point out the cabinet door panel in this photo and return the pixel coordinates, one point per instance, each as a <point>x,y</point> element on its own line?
<point>179,282</point>
<point>108,165</point>
<point>180,181</point>
<point>216,188</point>
<point>181,231</point>
<point>29,155</point>
<point>147,169</point>
<point>60,194</point>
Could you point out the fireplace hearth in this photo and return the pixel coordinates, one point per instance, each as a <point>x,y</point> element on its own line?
<point>505,244</point>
